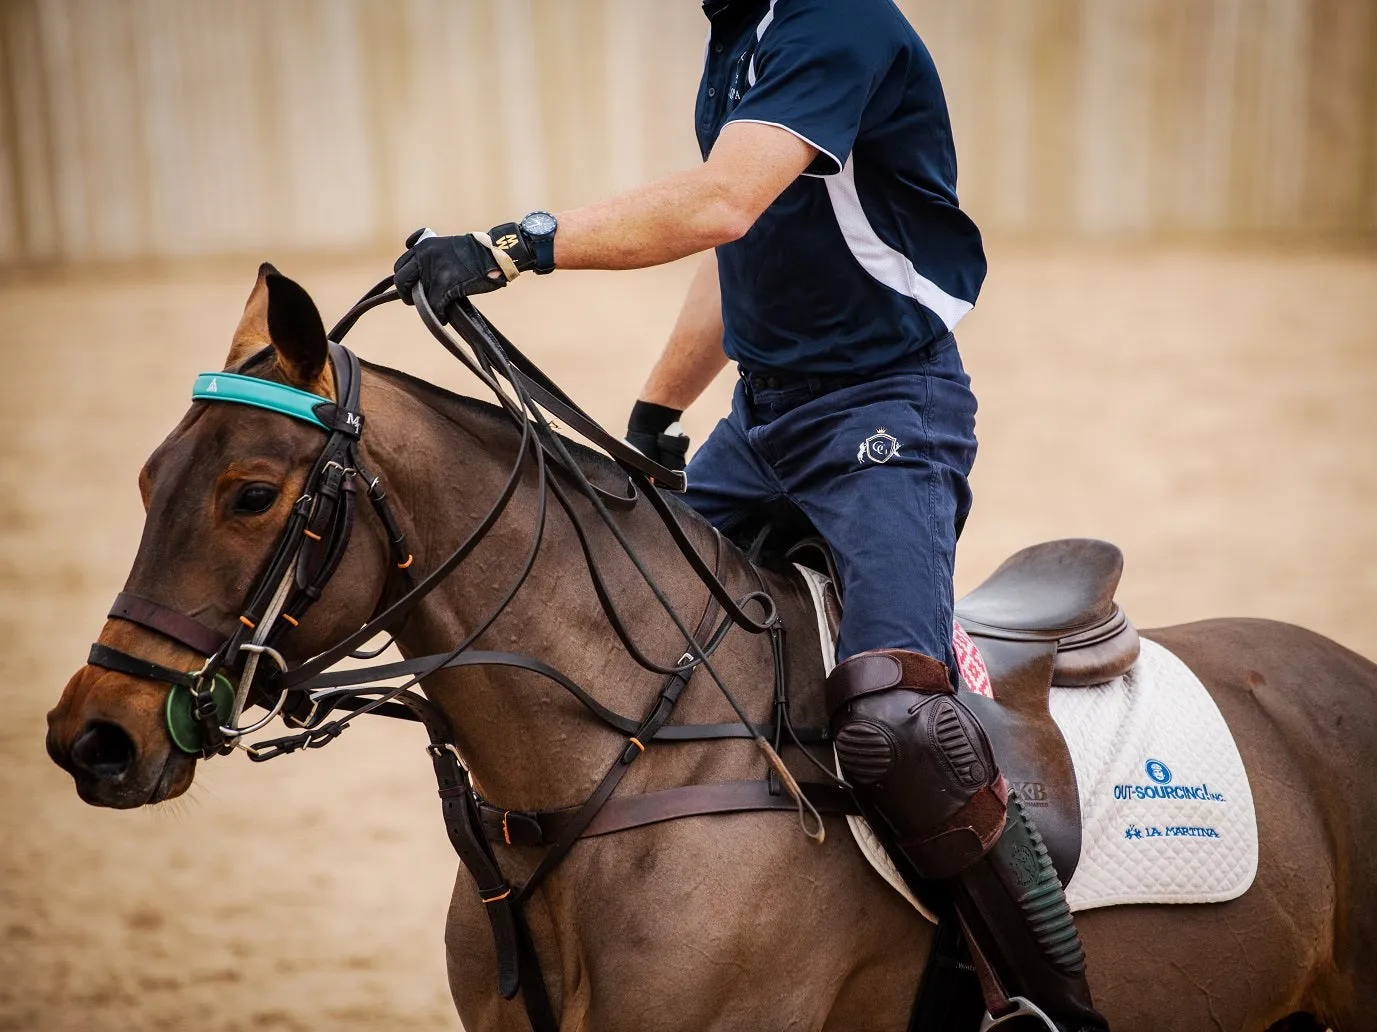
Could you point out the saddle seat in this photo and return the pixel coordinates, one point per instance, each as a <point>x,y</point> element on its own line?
<point>1060,592</point>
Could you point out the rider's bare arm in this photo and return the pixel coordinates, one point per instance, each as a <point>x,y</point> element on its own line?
<point>693,355</point>
<point>671,218</point>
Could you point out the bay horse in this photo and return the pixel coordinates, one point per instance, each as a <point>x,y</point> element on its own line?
<point>725,922</point>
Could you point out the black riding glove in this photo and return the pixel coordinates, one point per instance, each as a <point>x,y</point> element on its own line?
<point>646,432</point>
<point>452,267</point>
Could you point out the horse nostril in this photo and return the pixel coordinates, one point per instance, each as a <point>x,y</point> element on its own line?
<point>103,749</point>
<point>55,752</point>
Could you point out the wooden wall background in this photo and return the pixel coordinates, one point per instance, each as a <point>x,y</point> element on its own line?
<point>155,128</point>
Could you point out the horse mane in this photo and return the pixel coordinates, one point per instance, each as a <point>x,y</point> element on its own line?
<point>459,408</point>
<point>450,405</point>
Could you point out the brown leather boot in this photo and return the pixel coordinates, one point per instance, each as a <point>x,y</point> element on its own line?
<point>925,773</point>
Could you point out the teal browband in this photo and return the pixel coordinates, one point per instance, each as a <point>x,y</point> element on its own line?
<point>264,394</point>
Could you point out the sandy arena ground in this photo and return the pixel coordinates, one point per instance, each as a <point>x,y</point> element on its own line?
<point>1211,411</point>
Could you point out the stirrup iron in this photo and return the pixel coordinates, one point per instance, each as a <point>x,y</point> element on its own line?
<point>1023,1008</point>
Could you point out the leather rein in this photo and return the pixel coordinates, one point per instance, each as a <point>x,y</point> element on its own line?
<point>203,708</point>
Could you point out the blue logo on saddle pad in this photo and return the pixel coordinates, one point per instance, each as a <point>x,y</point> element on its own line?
<point>1162,788</point>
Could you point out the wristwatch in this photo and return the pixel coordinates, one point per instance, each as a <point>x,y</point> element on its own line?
<point>539,229</point>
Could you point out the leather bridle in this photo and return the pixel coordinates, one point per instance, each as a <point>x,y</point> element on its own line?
<point>309,695</point>
<point>307,554</point>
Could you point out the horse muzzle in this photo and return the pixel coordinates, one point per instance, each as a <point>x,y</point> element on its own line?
<point>112,758</point>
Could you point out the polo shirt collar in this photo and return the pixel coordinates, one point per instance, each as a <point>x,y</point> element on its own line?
<point>712,8</point>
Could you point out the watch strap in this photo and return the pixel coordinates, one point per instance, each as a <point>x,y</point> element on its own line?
<point>542,244</point>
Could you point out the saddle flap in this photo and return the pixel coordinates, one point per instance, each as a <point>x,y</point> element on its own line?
<point>1028,745</point>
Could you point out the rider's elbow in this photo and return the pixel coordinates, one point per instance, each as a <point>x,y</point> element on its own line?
<point>733,225</point>
<point>727,217</point>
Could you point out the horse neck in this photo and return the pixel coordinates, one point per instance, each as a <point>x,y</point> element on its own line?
<point>528,743</point>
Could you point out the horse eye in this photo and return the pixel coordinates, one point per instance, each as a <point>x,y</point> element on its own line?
<point>255,498</point>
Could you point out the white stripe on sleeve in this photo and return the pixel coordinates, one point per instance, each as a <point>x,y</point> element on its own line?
<point>884,263</point>
<point>759,32</point>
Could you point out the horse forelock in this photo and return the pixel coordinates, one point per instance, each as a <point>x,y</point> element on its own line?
<point>263,362</point>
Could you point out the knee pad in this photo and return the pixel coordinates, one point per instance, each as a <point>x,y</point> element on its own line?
<point>917,756</point>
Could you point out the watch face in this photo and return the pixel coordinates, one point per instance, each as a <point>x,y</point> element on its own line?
<point>539,223</point>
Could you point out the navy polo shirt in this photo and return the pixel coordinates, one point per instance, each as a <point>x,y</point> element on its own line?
<point>867,257</point>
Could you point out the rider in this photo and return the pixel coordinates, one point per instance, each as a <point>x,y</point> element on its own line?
<point>828,189</point>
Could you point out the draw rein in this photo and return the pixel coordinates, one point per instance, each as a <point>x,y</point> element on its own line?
<point>203,708</point>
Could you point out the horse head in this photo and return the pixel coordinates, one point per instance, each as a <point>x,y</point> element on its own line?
<point>217,494</point>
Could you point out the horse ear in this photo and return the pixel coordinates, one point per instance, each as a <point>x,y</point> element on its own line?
<point>251,335</point>
<point>280,313</point>
<point>297,332</point>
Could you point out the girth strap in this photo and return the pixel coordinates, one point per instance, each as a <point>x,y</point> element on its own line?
<point>542,827</point>
<point>168,622</point>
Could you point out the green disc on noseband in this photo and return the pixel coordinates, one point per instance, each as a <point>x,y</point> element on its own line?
<point>186,731</point>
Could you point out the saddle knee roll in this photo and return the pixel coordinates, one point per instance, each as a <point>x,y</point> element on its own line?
<point>918,757</point>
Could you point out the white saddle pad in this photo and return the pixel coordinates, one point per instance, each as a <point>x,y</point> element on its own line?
<point>1166,808</point>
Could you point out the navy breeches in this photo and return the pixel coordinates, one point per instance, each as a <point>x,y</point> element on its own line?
<point>879,466</point>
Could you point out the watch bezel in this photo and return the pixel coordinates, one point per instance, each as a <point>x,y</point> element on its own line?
<point>546,218</point>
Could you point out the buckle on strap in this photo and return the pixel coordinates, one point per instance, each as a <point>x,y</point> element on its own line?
<point>513,827</point>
